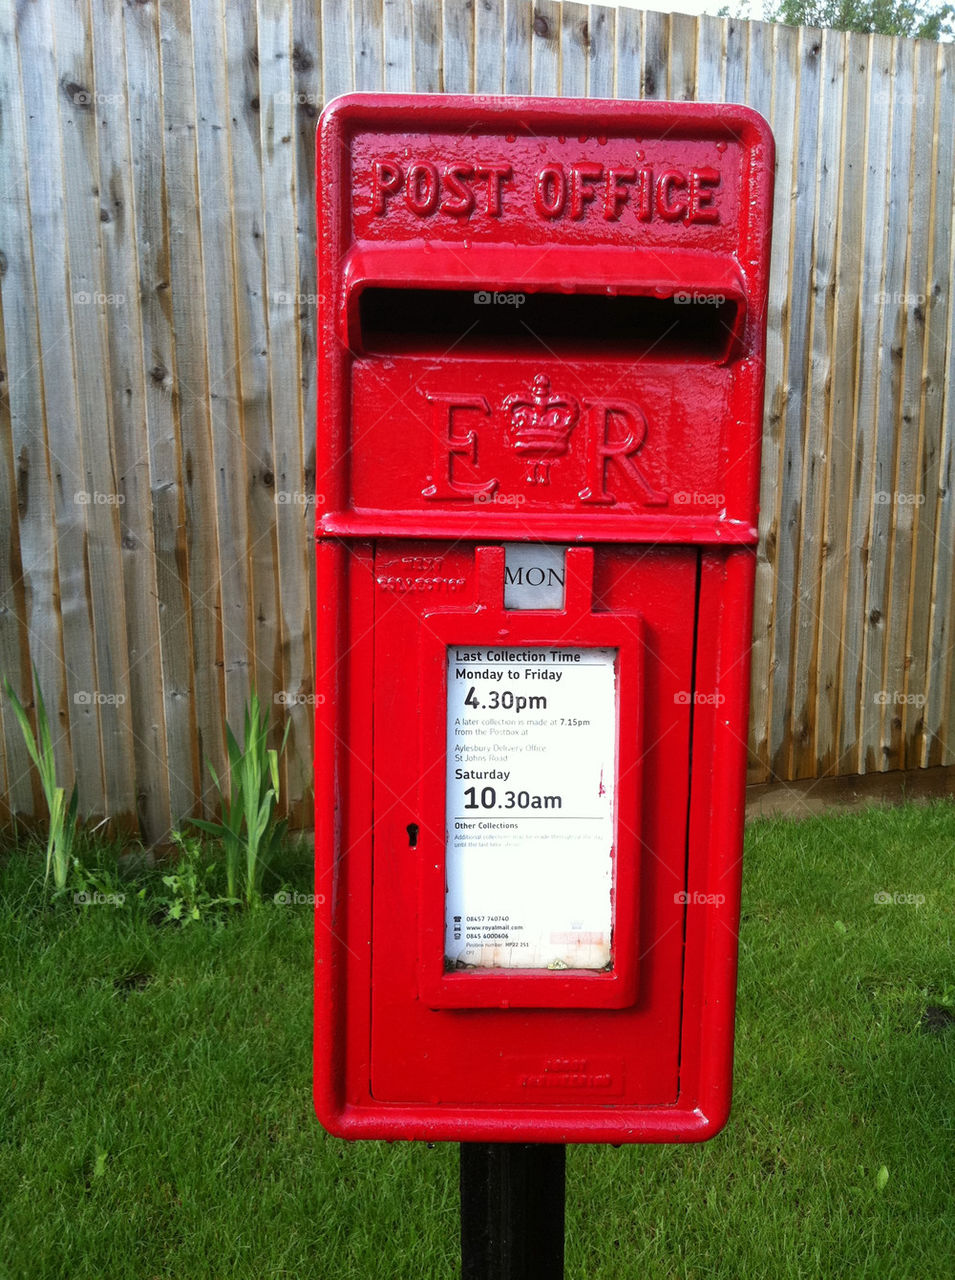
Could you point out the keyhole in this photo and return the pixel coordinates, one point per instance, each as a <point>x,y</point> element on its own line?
<point>412,834</point>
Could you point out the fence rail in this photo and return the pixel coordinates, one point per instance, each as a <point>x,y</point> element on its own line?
<point>157,337</point>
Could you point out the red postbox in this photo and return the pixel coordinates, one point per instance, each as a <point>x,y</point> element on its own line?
<point>541,390</point>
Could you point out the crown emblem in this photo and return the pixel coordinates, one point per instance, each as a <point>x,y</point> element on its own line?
<point>540,423</point>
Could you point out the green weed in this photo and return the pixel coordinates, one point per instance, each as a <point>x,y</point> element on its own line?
<point>191,893</point>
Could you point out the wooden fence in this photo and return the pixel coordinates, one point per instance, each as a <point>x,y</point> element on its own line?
<point>157,338</point>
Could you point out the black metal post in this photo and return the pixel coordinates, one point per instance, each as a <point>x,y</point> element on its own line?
<point>512,1210</point>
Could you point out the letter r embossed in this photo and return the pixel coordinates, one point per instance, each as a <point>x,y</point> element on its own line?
<point>602,450</point>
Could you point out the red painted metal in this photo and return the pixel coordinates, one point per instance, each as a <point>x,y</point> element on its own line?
<point>542,321</point>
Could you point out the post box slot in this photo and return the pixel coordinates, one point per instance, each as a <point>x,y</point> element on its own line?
<point>686,325</point>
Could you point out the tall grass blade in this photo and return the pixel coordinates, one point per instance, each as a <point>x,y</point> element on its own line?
<point>247,807</point>
<point>62,817</point>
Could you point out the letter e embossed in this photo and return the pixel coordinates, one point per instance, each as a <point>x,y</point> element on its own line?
<point>450,445</point>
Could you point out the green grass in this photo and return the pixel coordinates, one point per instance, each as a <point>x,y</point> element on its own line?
<point>156,1117</point>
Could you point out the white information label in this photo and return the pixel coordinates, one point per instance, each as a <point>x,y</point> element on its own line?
<point>530,807</point>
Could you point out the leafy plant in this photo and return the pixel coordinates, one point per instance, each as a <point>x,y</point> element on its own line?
<point>246,827</point>
<point>97,885</point>
<point>190,883</point>
<point>62,815</point>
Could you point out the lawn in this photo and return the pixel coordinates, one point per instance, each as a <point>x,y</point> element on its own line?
<point>156,1116</point>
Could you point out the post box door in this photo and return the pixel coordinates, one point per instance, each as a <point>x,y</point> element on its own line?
<point>560,1035</point>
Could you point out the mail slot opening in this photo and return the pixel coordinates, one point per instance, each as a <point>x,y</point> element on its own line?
<point>686,325</point>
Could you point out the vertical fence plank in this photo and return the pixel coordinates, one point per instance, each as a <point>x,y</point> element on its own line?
<point>737,49</point>
<point>710,59</point>
<point>398,30</point>
<point>763,83</point>
<point>789,727</point>
<point>655,57</point>
<point>29,619</point>
<point>773,51</point>
<point>916,489</point>
<point>629,52</point>
<point>937,547</point>
<point>427,46</point>
<point>367,26</point>
<point>14,640</point>
<point>158,355</point>
<point>574,42</point>
<point>457,27</point>
<point>830,59</point>
<point>306,71</point>
<point>885,514</point>
<point>682,79</point>
<point>130,440</point>
<point>92,312</point>
<point>856,729</point>
<point>750,63</point>
<point>518,33</point>
<point>489,46</point>
<point>899,416</point>
<point>285,354</point>
<point>78,715</point>
<point>190,383</point>
<point>338,59</point>
<point>863,327</point>
<point>262,492</point>
<point>307,62</point>
<point>849,238</point>
<point>545,48</point>
<point>601,45</point>
<point>233,464</point>
<point>946,552</point>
